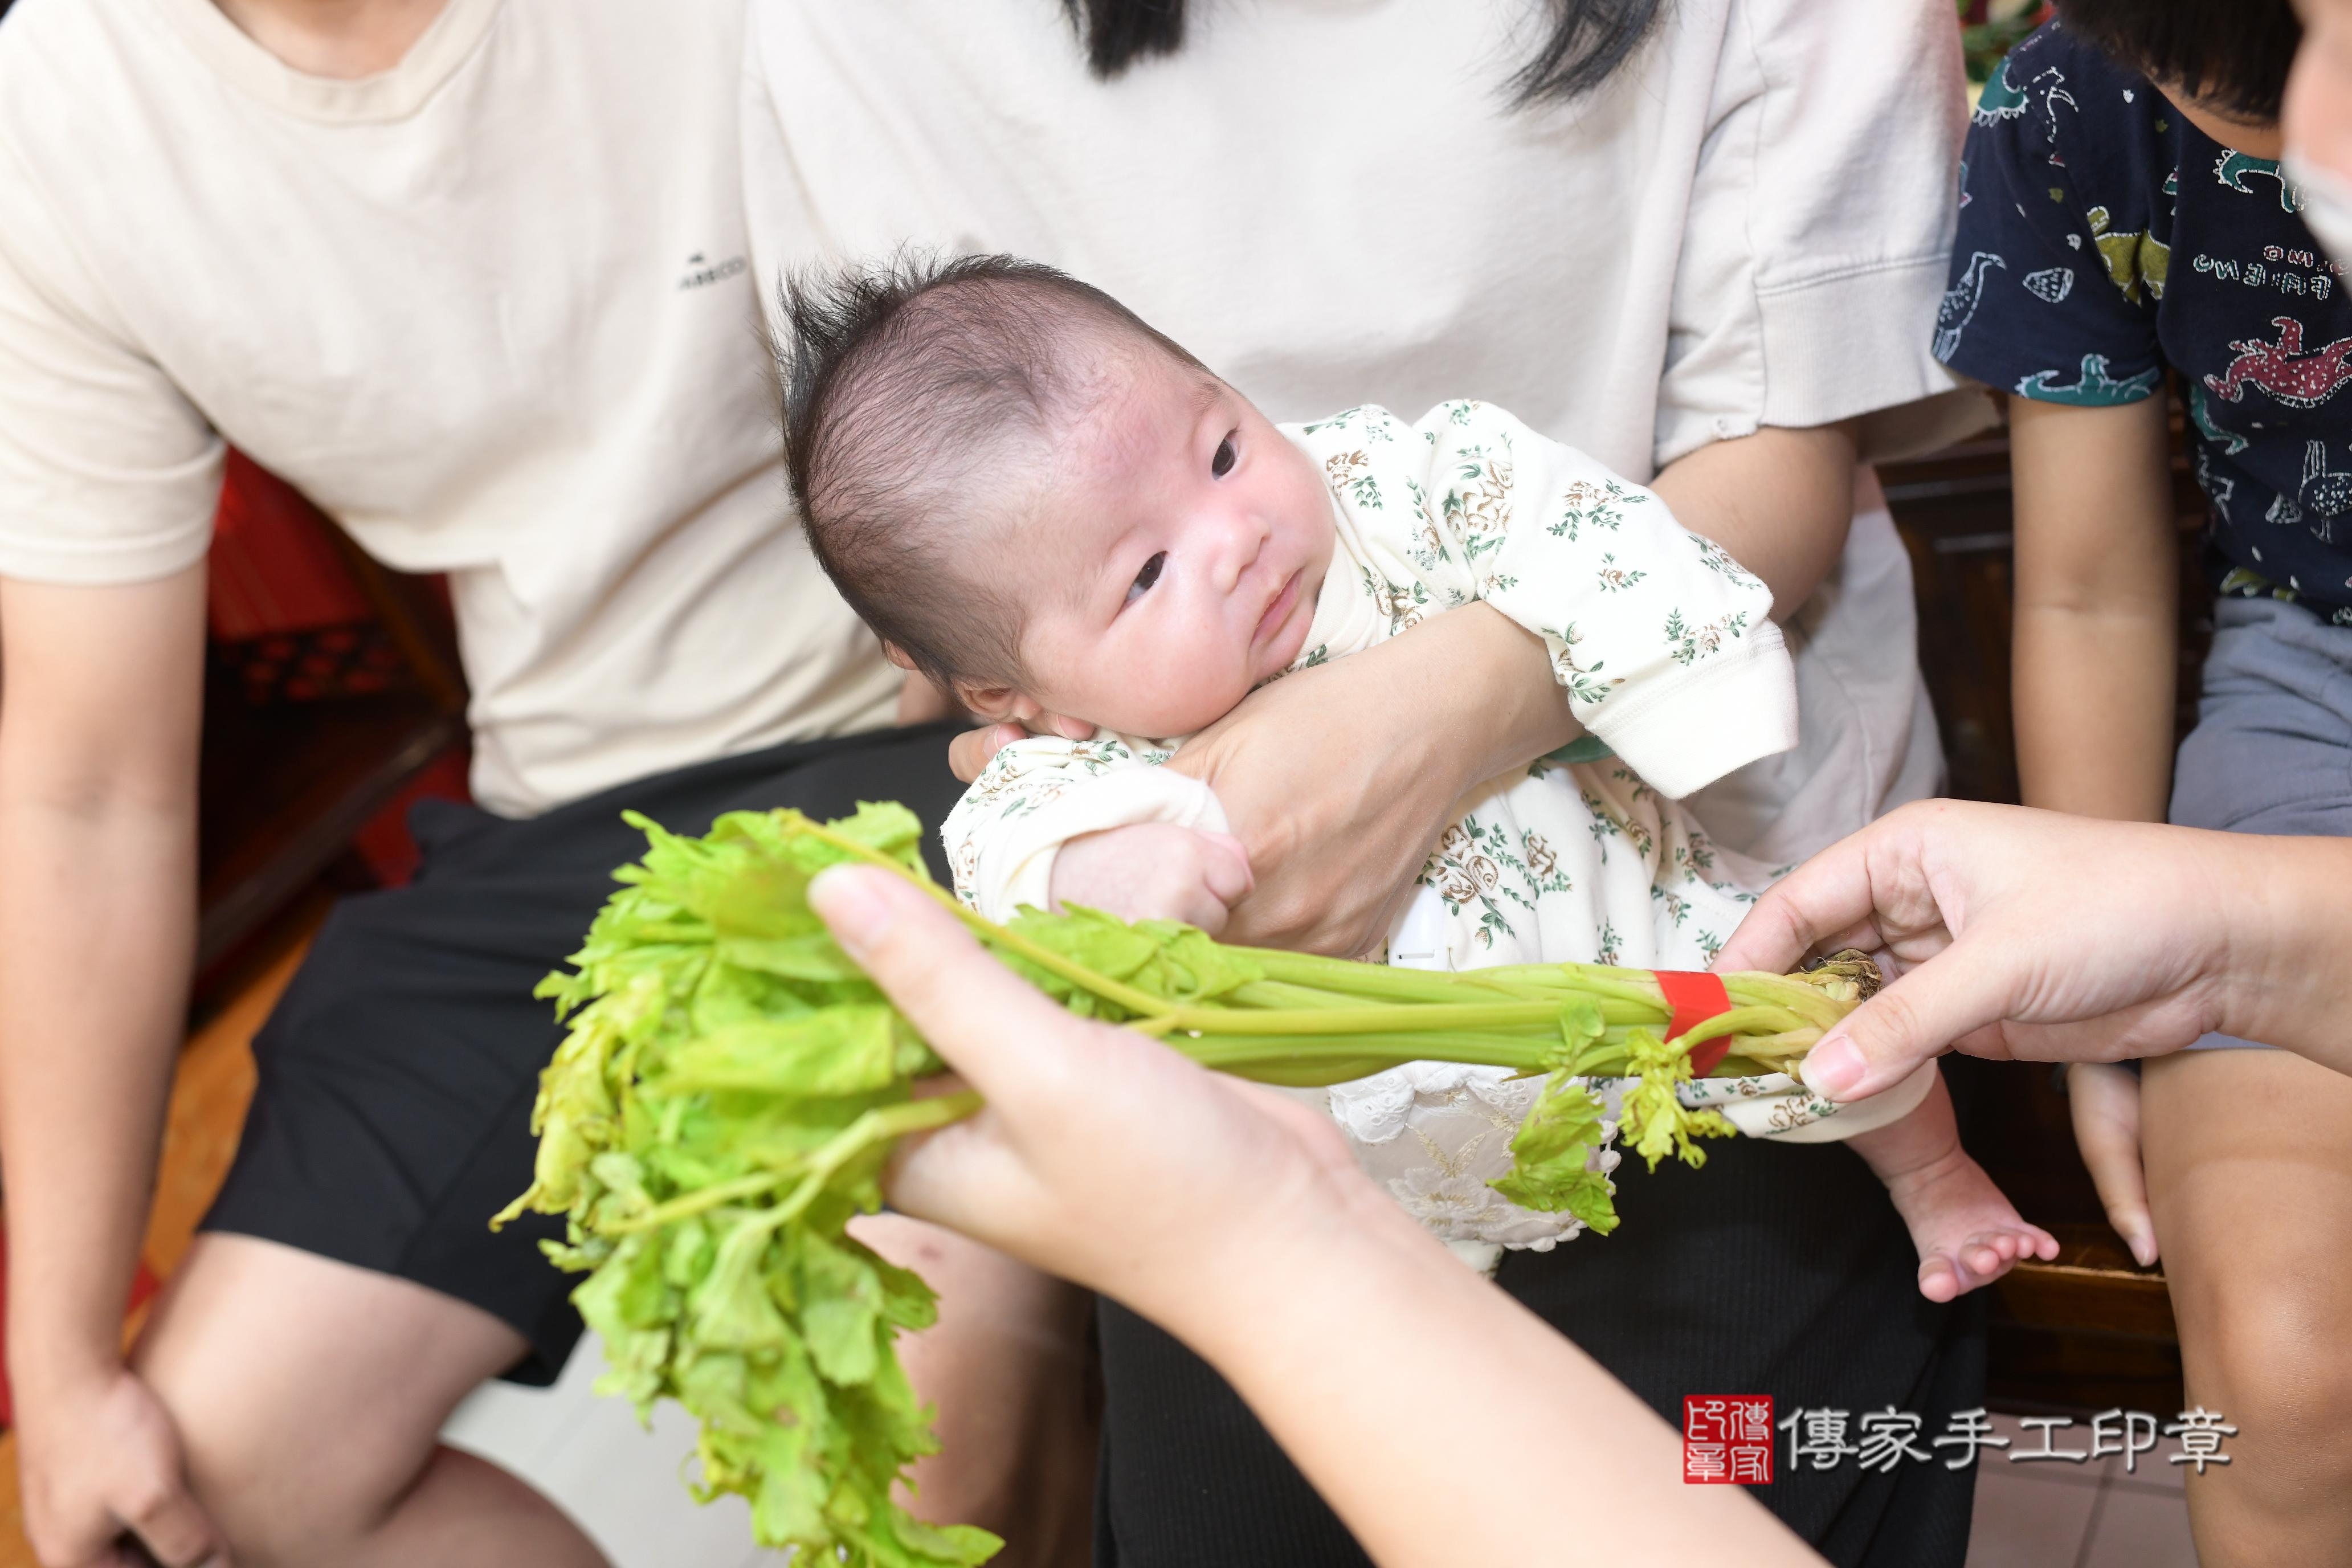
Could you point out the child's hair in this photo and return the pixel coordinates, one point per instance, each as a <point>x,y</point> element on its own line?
<point>907,383</point>
<point>2234,52</point>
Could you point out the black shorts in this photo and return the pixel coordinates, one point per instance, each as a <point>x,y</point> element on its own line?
<point>393,1114</point>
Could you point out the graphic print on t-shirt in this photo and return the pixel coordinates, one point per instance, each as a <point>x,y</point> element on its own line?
<point>2103,240</point>
<point>2283,369</point>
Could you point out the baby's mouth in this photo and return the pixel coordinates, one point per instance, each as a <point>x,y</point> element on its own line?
<point>1277,612</point>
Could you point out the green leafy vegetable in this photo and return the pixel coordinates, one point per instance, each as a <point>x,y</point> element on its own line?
<point>1552,1157</point>
<point>1654,1122</point>
<point>731,1085</point>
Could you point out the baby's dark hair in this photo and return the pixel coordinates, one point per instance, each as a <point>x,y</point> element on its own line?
<point>904,378</point>
<point>2235,52</point>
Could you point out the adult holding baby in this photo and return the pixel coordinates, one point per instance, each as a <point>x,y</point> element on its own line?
<point>1697,240</point>
<point>465,270</point>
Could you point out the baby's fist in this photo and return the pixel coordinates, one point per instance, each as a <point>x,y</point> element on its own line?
<point>1154,870</point>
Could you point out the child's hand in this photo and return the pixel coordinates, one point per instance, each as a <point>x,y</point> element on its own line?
<point>1154,870</point>
<point>2105,1100</point>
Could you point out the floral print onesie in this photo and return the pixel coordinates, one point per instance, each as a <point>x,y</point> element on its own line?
<point>1666,652</point>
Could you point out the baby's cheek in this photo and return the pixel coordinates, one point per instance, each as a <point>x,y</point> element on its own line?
<point>1205,687</point>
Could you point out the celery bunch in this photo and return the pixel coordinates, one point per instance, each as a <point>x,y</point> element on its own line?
<point>732,1084</point>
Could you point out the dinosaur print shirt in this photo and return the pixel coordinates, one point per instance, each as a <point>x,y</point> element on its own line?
<point>2103,238</point>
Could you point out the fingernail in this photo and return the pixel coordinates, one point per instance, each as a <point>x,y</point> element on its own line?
<point>848,898</point>
<point>1834,1067</point>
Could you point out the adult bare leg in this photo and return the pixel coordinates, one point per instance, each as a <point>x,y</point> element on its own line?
<point>2250,1180</point>
<point>1007,1366</point>
<point>309,1396</point>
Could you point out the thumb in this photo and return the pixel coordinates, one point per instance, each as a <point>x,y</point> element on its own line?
<point>1228,868</point>
<point>989,1024</point>
<point>1921,1014</point>
<point>176,1531</point>
<point>972,751</point>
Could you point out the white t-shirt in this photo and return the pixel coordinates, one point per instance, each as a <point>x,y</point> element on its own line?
<point>490,310</point>
<point>1330,201</point>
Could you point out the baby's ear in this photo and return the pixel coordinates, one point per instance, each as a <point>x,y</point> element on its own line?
<point>996,704</point>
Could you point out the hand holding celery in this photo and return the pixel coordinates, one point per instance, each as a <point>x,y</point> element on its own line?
<point>732,1085</point>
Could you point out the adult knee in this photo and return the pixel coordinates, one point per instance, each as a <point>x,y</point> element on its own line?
<point>308,1393</point>
<point>270,1502</point>
<point>2273,1364</point>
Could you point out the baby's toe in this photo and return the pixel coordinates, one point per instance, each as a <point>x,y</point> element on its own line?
<point>2027,1241</point>
<point>1939,1279</point>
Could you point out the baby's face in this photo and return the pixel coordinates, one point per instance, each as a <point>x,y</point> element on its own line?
<point>1173,555</point>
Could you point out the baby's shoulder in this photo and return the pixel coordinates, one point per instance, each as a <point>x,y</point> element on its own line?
<point>1369,435</point>
<point>1364,422</point>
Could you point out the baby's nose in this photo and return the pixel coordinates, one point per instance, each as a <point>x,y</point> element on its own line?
<point>1244,543</point>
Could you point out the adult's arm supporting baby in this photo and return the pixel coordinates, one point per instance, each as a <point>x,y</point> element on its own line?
<point>1662,641</point>
<point>1339,778</point>
<point>1781,500</point>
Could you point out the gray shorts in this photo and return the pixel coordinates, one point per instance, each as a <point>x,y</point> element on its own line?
<point>2272,752</point>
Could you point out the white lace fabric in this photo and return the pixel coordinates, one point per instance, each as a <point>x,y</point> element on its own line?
<point>1434,1135</point>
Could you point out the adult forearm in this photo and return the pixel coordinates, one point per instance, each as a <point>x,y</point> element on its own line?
<point>2092,698</point>
<point>2280,902</point>
<point>1366,760</point>
<point>1781,500</point>
<point>1375,752</point>
<point>97,933</point>
<point>1487,688</point>
<point>1335,1336</point>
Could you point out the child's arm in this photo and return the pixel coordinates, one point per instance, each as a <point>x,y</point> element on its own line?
<point>1043,800</point>
<point>2054,283</point>
<point>1665,644</point>
<point>2091,684</point>
<point>2097,600</point>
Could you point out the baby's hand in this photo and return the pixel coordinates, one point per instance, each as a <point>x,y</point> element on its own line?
<point>1154,870</point>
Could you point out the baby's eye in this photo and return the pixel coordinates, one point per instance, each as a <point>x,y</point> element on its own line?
<point>1148,576</point>
<point>1222,463</point>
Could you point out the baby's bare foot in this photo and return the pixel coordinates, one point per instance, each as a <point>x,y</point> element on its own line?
<point>1968,1234</point>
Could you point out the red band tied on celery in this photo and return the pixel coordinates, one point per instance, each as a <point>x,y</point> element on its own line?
<point>1696,997</point>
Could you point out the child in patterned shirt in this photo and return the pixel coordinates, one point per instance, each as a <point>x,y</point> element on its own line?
<point>2125,223</point>
<point>1056,513</point>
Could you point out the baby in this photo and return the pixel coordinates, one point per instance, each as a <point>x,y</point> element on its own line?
<point>1060,516</point>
